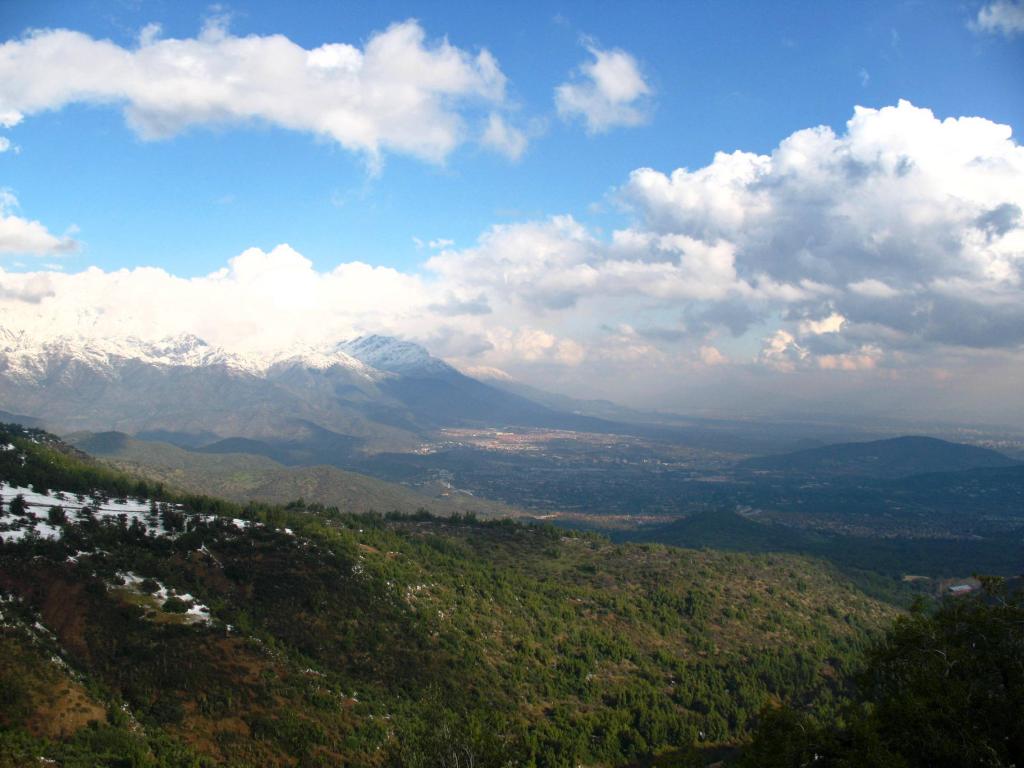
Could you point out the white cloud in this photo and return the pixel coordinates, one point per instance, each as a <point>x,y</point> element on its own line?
<point>533,344</point>
<point>1002,16</point>
<point>874,288</point>
<point>5,144</point>
<point>831,324</point>
<point>905,221</point>
<point>274,298</point>
<point>26,237</point>
<point>711,356</point>
<point>503,138</point>
<point>608,92</point>
<point>397,93</point>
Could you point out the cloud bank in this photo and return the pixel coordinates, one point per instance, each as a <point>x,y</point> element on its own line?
<point>885,261</point>
<point>399,92</point>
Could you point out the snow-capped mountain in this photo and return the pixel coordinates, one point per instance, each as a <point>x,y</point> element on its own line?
<point>29,361</point>
<point>370,357</point>
<point>366,394</point>
<point>386,353</point>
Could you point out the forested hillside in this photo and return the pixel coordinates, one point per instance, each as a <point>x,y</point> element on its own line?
<point>309,636</point>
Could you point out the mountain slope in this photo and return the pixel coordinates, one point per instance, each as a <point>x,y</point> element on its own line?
<point>344,639</point>
<point>892,458</point>
<point>381,393</point>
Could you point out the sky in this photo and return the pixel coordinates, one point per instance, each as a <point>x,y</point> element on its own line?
<point>720,208</point>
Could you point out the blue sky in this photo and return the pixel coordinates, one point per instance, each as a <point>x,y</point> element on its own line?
<point>887,251</point>
<point>726,76</point>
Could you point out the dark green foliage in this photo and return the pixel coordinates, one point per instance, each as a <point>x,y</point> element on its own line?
<point>56,515</point>
<point>942,689</point>
<point>18,505</point>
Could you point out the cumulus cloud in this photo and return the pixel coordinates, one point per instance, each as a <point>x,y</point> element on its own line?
<point>905,220</point>
<point>274,297</point>
<point>533,344</point>
<point>608,92</point>
<point>26,237</point>
<point>1004,17</point>
<point>399,92</point>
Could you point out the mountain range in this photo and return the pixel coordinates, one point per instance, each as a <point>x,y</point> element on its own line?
<point>368,393</point>
<point>312,404</point>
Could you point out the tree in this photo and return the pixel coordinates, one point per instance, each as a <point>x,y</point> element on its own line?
<point>56,515</point>
<point>18,505</point>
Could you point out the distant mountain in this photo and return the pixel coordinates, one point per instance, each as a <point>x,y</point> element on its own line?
<point>315,404</point>
<point>25,421</point>
<point>892,458</point>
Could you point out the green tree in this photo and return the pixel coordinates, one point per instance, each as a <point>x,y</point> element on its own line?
<point>56,515</point>
<point>18,505</point>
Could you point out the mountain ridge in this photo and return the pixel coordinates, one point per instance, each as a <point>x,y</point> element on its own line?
<point>889,458</point>
<point>183,384</point>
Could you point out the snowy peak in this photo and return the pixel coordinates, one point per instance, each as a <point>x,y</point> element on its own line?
<point>38,360</point>
<point>367,357</point>
<point>386,353</point>
<point>321,359</point>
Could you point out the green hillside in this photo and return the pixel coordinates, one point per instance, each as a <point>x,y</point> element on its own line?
<point>342,639</point>
<point>244,477</point>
